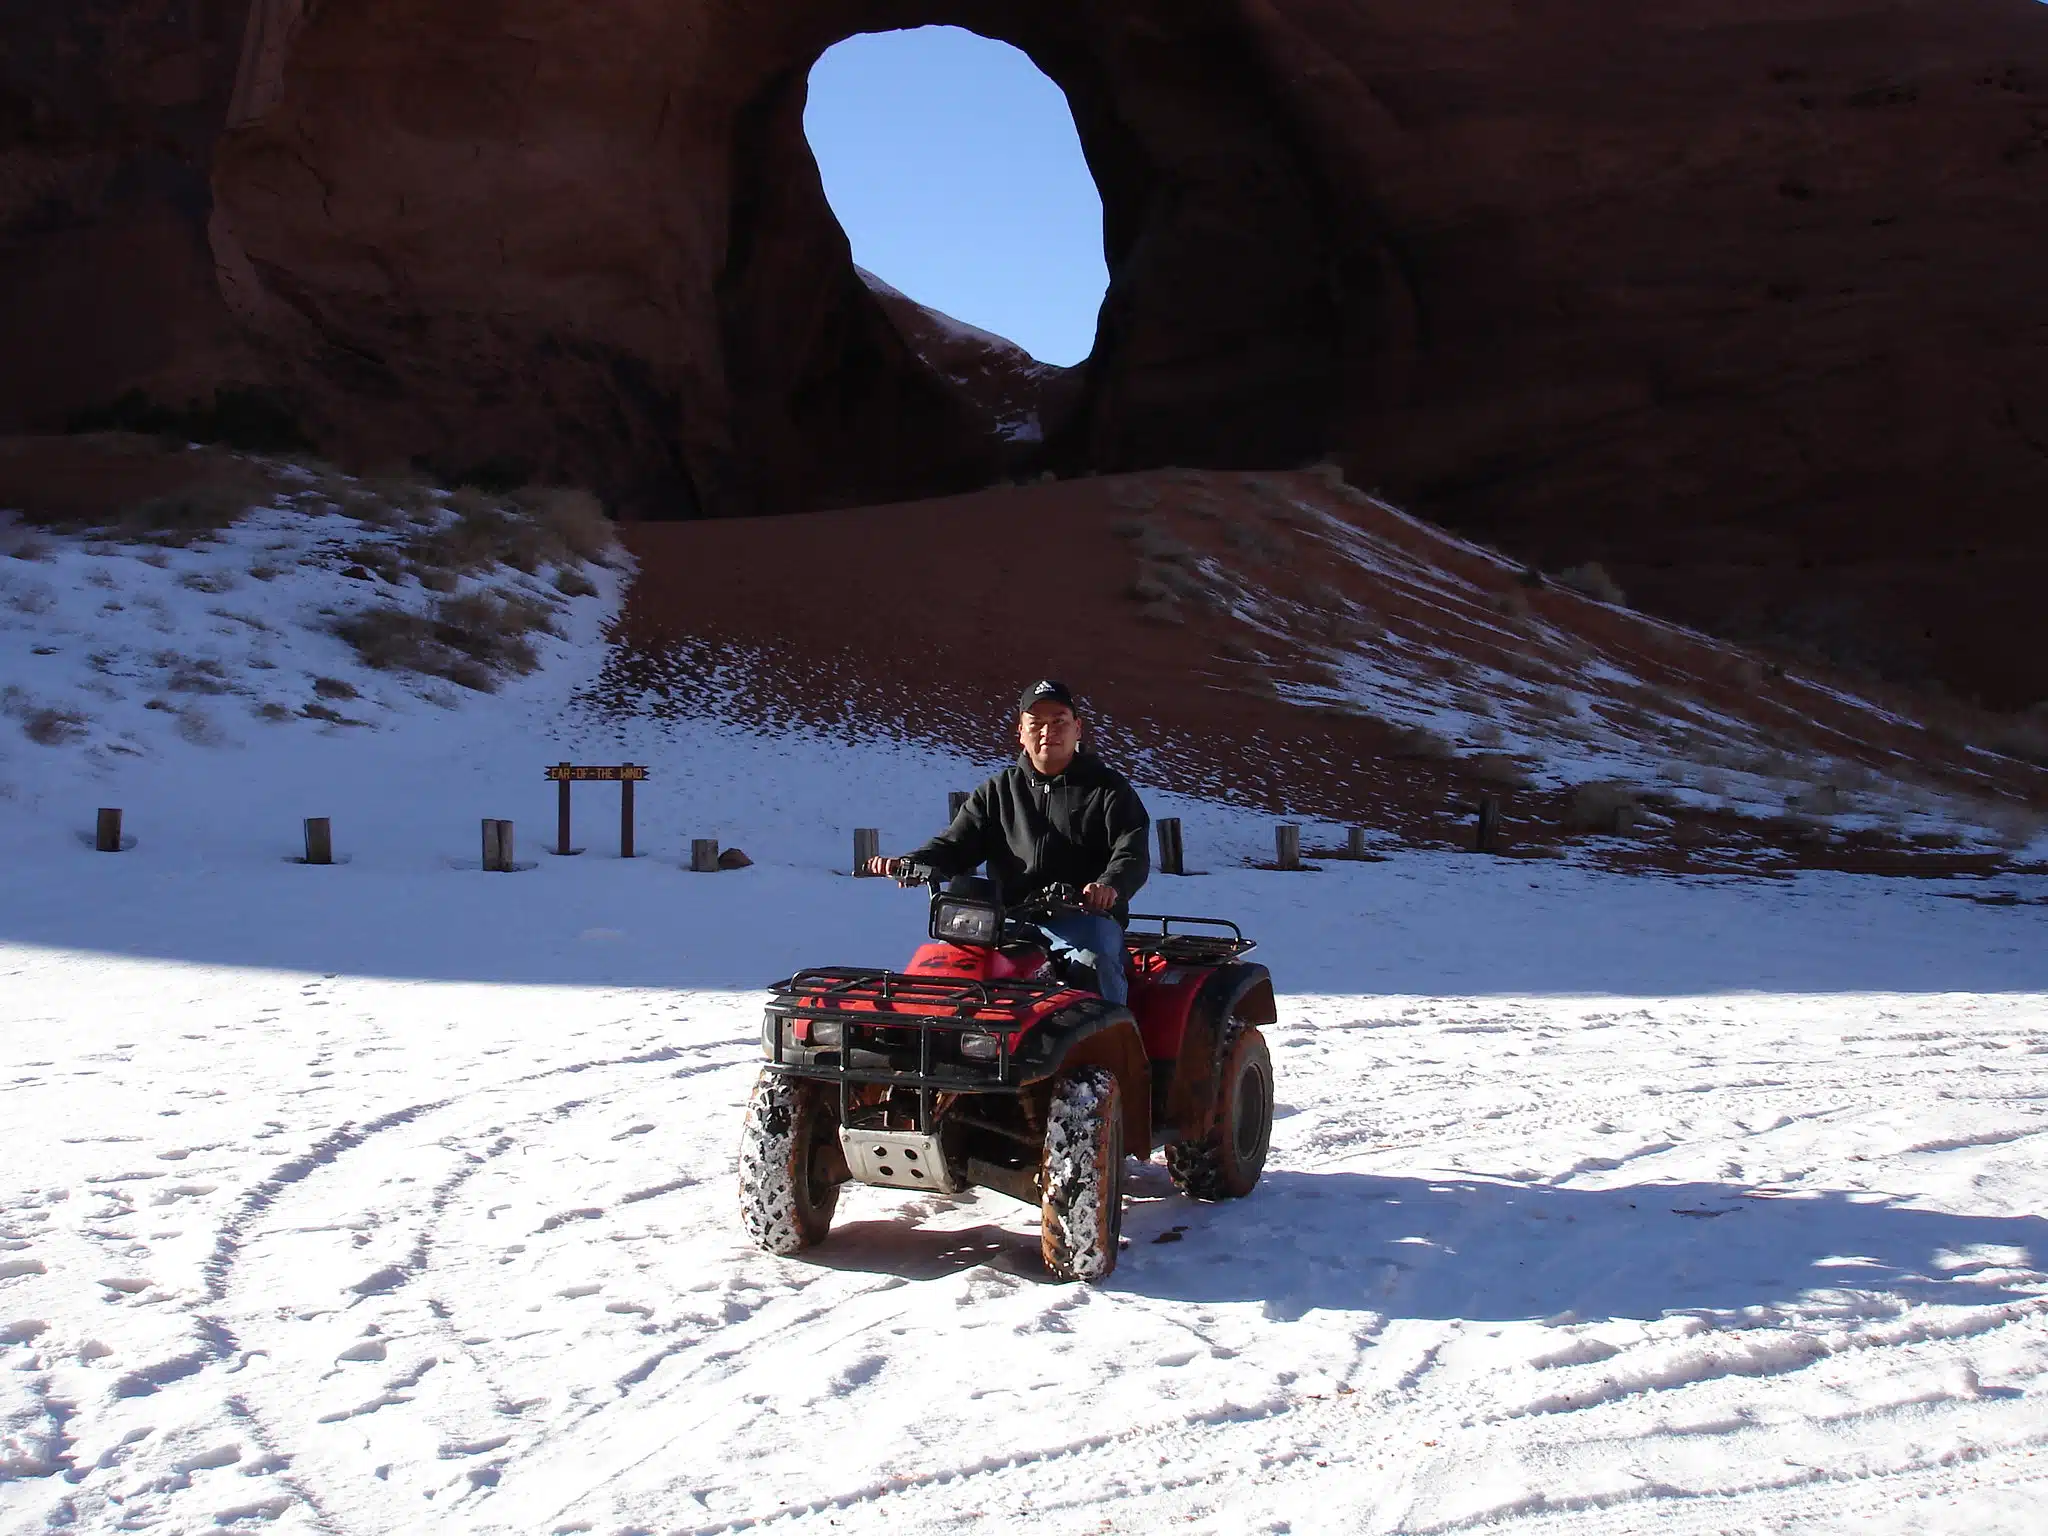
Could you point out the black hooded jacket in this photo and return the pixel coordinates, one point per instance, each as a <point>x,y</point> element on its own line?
<point>1080,827</point>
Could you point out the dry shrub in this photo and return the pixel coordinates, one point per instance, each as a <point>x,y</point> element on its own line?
<point>1419,741</point>
<point>273,711</point>
<point>1498,768</point>
<point>1178,580</point>
<point>263,570</point>
<point>383,561</point>
<point>2023,736</point>
<point>1473,702</point>
<point>410,496</point>
<point>1512,604</point>
<point>367,506</point>
<point>1157,544</point>
<point>202,676</point>
<point>573,518</point>
<point>1591,580</point>
<point>33,548</point>
<point>197,511</point>
<point>1487,733</point>
<point>32,600</point>
<point>1329,471</point>
<point>335,688</point>
<point>211,582</point>
<point>2014,826</point>
<point>1606,806</point>
<point>1253,540</point>
<point>53,727</point>
<point>548,525</point>
<point>1819,800</point>
<point>1146,587</point>
<point>472,640</point>
<point>571,582</point>
<point>197,727</point>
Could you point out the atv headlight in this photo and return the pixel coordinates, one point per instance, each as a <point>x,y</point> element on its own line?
<point>827,1034</point>
<point>979,1047</point>
<point>964,922</point>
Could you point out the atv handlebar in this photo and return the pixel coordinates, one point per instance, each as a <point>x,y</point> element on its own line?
<point>1050,901</point>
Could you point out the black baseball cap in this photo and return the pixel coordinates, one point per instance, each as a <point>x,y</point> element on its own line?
<point>1040,692</point>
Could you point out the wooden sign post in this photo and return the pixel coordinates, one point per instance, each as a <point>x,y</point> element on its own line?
<point>1287,845</point>
<point>1486,836</point>
<point>497,846</point>
<point>625,775</point>
<point>1169,846</point>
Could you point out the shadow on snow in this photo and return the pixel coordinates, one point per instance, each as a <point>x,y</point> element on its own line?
<point>1486,1250</point>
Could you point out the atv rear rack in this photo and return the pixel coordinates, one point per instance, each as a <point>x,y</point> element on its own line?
<point>1189,948</point>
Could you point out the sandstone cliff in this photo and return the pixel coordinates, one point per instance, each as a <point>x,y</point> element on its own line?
<point>1740,297</point>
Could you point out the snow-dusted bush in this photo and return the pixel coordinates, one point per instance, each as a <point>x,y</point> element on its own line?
<point>1591,580</point>
<point>474,639</point>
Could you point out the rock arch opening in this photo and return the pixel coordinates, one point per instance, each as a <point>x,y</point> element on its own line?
<point>954,167</point>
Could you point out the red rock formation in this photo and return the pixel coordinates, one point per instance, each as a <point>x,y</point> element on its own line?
<point>1739,296</point>
<point>1022,397</point>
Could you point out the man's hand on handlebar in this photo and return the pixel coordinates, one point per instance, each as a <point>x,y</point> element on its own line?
<point>1098,897</point>
<point>897,869</point>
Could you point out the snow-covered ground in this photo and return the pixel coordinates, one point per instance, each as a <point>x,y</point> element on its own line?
<point>398,1196</point>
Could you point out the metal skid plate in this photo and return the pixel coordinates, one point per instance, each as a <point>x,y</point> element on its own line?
<point>898,1160</point>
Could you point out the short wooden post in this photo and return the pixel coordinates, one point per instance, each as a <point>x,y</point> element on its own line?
<point>1354,842</point>
<point>497,846</point>
<point>704,855</point>
<point>867,844</point>
<point>626,814</point>
<point>107,835</point>
<point>319,840</point>
<point>1487,836</point>
<point>955,798</point>
<point>1170,862</point>
<point>562,843</point>
<point>1287,843</point>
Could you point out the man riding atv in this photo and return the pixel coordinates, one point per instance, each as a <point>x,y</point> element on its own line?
<point>1058,815</point>
<point>1032,1043</point>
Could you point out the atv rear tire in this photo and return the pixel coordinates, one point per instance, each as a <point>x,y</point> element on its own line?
<point>1082,1175</point>
<point>789,1156</point>
<point>1225,1162</point>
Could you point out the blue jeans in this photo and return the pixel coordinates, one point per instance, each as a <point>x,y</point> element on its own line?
<point>1090,950</point>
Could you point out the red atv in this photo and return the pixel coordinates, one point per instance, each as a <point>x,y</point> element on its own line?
<point>979,1068</point>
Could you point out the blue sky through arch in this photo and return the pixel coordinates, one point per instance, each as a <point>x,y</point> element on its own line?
<point>954,167</point>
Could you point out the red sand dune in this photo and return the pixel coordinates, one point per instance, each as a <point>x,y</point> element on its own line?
<point>1279,638</point>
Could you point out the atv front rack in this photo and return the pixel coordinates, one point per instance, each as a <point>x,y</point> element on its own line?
<point>1189,948</point>
<point>890,1024</point>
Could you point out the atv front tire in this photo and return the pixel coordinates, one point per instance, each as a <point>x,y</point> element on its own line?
<point>790,1164</point>
<point>1081,1175</point>
<point>1225,1162</point>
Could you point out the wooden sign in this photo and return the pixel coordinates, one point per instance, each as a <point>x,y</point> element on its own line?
<point>625,775</point>
<point>616,773</point>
